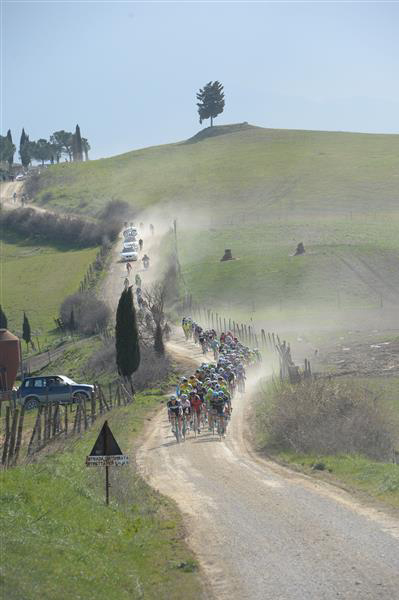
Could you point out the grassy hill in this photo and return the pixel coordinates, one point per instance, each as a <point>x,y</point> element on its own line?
<point>243,170</point>
<point>260,192</point>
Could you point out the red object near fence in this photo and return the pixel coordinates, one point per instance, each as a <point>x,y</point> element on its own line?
<point>9,359</point>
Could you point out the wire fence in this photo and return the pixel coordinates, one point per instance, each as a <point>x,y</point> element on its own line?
<point>265,341</point>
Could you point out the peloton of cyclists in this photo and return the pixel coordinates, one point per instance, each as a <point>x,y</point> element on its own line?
<point>210,390</point>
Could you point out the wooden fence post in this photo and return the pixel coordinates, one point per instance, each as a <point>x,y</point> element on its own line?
<point>7,436</point>
<point>84,413</point>
<point>19,434</point>
<point>93,408</point>
<point>66,420</point>
<point>55,419</point>
<point>110,394</point>
<point>49,417</point>
<point>12,436</point>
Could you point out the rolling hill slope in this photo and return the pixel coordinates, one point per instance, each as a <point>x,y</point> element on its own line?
<point>242,168</point>
<point>260,192</point>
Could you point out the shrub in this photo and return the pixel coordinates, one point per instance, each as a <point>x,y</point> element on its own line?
<point>116,210</point>
<point>91,315</point>
<point>152,370</point>
<point>72,231</point>
<point>325,417</point>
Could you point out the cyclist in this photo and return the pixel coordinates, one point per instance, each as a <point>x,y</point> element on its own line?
<point>186,409</point>
<point>175,413</point>
<point>196,406</point>
<point>146,261</point>
<point>217,410</point>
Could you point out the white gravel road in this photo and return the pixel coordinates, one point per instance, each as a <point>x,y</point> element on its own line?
<point>263,532</point>
<point>260,531</point>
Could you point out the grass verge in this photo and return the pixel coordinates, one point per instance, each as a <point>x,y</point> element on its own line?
<point>380,480</point>
<point>60,541</point>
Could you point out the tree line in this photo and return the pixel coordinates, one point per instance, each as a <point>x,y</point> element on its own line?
<point>71,146</point>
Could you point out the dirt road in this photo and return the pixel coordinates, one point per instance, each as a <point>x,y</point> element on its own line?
<point>262,531</point>
<point>7,191</point>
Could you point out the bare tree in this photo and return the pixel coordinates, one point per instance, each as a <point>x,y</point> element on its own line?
<point>154,298</point>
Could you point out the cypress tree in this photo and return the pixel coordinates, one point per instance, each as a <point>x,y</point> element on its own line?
<point>127,337</point>
<point>24,152</point>
<point>12,148</point>
<point>77,145</point>
<point>158,340</point>
<point>26,332</point>
<point>3,319</point>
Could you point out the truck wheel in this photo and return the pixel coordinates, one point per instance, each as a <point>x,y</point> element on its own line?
<point>31,403</point>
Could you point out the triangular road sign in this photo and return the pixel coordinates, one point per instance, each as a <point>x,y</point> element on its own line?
<point>106,444</point>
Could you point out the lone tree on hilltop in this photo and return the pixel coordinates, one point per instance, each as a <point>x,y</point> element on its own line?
<point>127,337</point>
<point>26,332</point>
<point>211,101</point>
<point>3,319</point>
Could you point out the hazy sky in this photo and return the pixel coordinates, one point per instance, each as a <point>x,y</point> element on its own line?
<point>127,72</point>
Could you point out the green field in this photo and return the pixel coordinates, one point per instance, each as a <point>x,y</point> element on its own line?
<point>266,279</point>
<point>36,279</point>
<point>60,542</point>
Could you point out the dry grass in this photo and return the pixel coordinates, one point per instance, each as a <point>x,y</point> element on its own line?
<point>325,417</point>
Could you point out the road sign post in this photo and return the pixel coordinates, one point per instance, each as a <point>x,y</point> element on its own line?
<point>106,453</point>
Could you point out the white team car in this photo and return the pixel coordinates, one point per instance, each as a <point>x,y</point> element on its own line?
<point>130,233</point>
<point>127,246</point>
<point>127,255</point>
